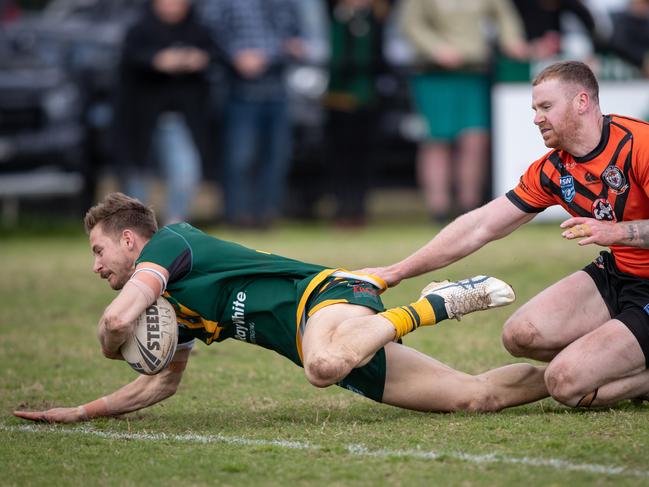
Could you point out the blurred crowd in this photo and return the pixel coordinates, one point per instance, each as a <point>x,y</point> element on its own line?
<point>214,87</point>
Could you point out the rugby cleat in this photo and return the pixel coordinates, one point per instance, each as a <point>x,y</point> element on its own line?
<point>469,295</point>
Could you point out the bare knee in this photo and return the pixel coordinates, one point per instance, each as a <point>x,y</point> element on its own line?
<point>563,383</point>
<point>520,336</point>
<point>325,370</point>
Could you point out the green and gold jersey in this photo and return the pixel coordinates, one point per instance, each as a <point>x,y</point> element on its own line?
<point>220,288</point>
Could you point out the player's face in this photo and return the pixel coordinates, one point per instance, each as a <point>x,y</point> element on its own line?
<point>113,259</point>
<point>555,112</point>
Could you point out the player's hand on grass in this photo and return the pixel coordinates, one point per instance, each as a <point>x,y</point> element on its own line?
<point>55,415</point>
<point>592,231</point>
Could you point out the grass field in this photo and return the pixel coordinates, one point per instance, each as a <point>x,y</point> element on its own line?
<point>245,416</point>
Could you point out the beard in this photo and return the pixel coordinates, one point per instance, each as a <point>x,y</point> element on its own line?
<point>564,134</point>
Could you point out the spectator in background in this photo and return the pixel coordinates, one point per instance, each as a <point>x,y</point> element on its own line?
<point>451,91</point>
<point>314,31</point>
<point>356,61</point>
<point>260,38</point>
<point>630,35</point>
<point>161,102</point>
<point>542,21</point>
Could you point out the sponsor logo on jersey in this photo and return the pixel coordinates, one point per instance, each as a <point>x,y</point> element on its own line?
<point>602,210</point>
<point>567,188</point>
<point>590,178</point>
<point>646,309</point>
<point>615,180</point>
<point>242,331</point>
<point>239,316</point>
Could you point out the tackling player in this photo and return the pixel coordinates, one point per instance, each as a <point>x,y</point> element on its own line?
<point>592,326</point>
<point>329,321</point>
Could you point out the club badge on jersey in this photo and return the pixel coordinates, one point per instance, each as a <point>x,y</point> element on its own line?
<point>603,210</point>
<point>615,180</point>
<point>567,188</point>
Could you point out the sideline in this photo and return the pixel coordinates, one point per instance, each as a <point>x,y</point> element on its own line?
<point>359,450</point>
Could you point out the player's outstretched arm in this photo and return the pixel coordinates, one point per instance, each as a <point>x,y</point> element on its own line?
<point>143,392</point>
<point>458,239</point>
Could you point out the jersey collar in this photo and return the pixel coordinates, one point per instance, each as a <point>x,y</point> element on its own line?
<point>603,141</point>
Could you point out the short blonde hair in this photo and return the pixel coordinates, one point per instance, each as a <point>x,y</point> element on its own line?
<point>118,212</point>
<point>574,72</point>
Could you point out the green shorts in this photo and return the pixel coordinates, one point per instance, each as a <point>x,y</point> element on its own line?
<point>274,313</point>
<point>368,380</point>
<point>451,103</point>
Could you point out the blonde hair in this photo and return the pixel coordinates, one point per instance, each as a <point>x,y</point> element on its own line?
<point>118,212</point>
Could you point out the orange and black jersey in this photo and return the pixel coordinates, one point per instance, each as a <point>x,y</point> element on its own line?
<point>610,183</point>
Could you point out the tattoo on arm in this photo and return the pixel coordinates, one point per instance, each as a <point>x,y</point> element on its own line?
<point>637,233</point>
<point>631,232</point>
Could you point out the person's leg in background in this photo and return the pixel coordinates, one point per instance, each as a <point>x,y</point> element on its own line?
<point>240,145</point>
<point>276,149</point>
<point>348,152</point>
<point>434,177</point>
<point>473,156</point>
<point>472,168</point>
<point>181,164</point>
<point>434,159</point>
<point>134,182</point>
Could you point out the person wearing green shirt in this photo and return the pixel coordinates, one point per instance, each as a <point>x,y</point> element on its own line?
<point>329,321</point>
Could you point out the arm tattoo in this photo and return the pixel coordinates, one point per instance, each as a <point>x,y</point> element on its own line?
<point>637,233</point>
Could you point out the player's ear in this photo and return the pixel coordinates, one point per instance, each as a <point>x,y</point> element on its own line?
<point>583,102</point>
<point>128,237</point>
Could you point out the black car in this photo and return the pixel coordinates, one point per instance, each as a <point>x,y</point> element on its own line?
<point>57,71</point>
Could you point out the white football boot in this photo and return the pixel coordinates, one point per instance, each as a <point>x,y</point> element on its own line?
<point>469,295</point>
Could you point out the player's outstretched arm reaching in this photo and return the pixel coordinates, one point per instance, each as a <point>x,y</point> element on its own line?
<point>458,239</point>
<point>115,326</point>
<point>143,392</point>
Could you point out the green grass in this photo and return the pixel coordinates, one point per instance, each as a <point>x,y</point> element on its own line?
<point>50,357</point>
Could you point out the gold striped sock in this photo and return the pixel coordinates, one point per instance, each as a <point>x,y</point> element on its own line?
<point>408,318</point>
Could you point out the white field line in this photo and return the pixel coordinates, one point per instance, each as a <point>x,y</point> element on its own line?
<point>359,450</point>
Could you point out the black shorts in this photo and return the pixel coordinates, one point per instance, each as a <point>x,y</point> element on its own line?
<point>625,295</point>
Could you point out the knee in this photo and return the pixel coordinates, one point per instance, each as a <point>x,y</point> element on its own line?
<point>520,336</point>
<point>323,370</point>
<point>563,383</point>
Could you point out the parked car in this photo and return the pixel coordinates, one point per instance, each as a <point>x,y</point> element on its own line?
<point>58,70</point>
<point>56,74</point>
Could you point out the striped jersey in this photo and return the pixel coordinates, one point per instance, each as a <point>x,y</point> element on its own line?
<point>610,183</point>
<point>211,280</point>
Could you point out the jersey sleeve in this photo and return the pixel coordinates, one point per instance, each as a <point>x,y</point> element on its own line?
<point>529,195</point>
<point>170,250</point>
<point>641,160</point>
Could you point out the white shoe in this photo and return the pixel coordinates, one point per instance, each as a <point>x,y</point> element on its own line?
<point>469,295</point>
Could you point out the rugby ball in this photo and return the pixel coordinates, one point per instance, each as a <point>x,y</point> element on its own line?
<point>154,340</point>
